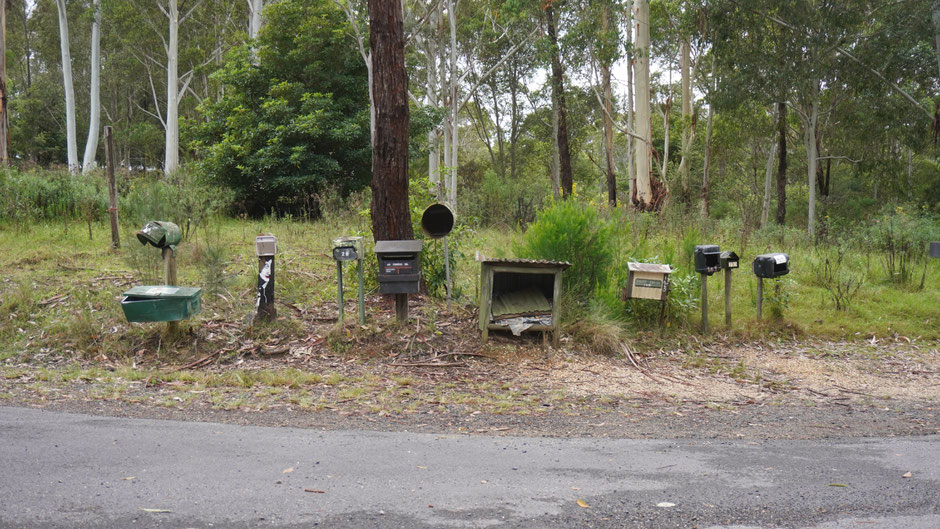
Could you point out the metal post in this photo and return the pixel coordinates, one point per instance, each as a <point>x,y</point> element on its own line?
<point>266,309</point>
<point>447,270</point>
<point>728,297</point>
<point>169,270</point>
<point>705,303</point>
<point>362,300</point>
<point>339,289</point>
<point>112,188</point>
<point>760,295</point>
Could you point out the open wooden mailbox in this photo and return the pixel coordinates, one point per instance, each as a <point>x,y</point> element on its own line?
<point>521,295</point>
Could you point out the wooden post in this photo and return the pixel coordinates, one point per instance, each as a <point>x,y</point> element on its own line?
<point>705,303</point>
<point>266,309</point>
<point>169,270</point>
<point>728,297</point>
<point>112,188</point>
<point>401,308</point>
<point>760,295</point>
<point>486,293</point>
<point>556,307</point>
<point>339,291</point>
<point>362,301</point>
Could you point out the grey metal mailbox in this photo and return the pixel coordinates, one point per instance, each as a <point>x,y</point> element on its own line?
<point>935,249</point>
<point>707,259</point>
<point>770,265</point>
<point>399,270</point>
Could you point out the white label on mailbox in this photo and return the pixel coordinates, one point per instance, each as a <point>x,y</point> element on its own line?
<point>161,291</point>
<point>780,258</point>
<point>733,264</point>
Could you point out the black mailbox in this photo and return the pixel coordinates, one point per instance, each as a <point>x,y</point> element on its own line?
<point>707,259</point>
<point>935,249</point>
<point>728,260</point>
<point>771,265</point>
<point>399,270</point>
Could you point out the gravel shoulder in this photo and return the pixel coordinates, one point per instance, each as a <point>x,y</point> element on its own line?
<point>784,390</point>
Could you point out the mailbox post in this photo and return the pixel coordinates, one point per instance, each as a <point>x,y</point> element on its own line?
<point>728,261</point>
<point>399,272</point>
<point>265,248</point>
<point>707,262</point>
<point>769,265</point>
<point>348,249</point>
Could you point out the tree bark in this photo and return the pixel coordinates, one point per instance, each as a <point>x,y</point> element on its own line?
<point>391,216</point>
<point>644,195</point>
<point>4,120</point>
<point>254,25</point>
<point>558,90</point>
<point>768,178</point>
<point>608,119</point>
<point>454,103</point>
<point>708,152</point>
<point>684,72</point>
<point>172,145</point>
<point>94,106</point>
<point>71,142</point>
<point>631,165</point>
<point>812,157</point>
<point>936,28</point>
<point>782,165</point>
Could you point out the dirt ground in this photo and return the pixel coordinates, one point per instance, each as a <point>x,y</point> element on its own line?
<point>438,377</point>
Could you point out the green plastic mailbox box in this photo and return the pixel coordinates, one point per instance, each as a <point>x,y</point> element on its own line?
<point>160,234</point>
<point>161,303</point>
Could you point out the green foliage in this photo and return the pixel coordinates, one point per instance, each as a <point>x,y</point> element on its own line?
<point>181,198</point>
<point>570,231</point>
<point>777,296</point>
<point>902,238</point>
<point>297,123</point>
<point>834,273</point>
<point>51,195</point>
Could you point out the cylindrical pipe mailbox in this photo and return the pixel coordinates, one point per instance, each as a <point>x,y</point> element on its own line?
<point>437,220</point>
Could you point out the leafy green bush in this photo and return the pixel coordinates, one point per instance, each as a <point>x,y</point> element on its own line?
<point>902,239</point>
<point>576,233</point>
<point>181,198</point>
<point>51,195</point>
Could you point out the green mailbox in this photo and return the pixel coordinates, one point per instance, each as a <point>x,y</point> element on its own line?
<point>160,234</point>
<point>161,303</point>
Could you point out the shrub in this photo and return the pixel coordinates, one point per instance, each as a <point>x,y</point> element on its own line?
<point>576,233</point>
<point>832,272</point>
<point>902,239</point>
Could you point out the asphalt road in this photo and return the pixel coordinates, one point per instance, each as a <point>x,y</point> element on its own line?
<point>78,471</point>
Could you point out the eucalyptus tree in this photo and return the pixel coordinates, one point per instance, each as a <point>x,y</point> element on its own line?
<point>641,119</point>
<point>94,104</point>
<point>65,46</point>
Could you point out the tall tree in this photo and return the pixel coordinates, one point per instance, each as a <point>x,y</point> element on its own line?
<point>558,99</point>
<point>65,47</point>
<point>94,106</point>
<point>4,120</point>
<point>391,216</point>
<point>641,120</point>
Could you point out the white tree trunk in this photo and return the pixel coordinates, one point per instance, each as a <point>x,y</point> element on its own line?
<point>172,146</point>
<point>254,25</point>
<point>642,117</point>
<point>94,107</point>
<point>556,156</point>
<point>684,72</point>
<point>433,100</point>
<point>631,171</point>
<point>812,157</point>
<point>454,102</point>
<point>71,142</point>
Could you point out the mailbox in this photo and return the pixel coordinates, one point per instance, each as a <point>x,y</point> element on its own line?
<point>437,221</point>
<point>160,234</point>
<point>161,303</point>
<point>728,260</point>
<point>265,245</point>
<point>707,259</point>
<point>771,265</point>
<point>347,248</point>
<point>647,281</point>
<point>399,270</point>
<point>935,249</point>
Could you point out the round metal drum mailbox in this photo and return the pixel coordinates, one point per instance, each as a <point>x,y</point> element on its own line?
<point>770,265</point>
<point>437,220</point>
<point>160,234</point>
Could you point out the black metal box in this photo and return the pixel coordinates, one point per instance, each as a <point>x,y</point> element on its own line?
<point>728,260</point>
<point>707,259</point>
<point>399,269</point>
<point>772,265</point>
<point>935,249</point>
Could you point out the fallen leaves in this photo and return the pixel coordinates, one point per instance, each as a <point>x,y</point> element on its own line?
<point>155,511</point>
<point>287,470</point>
<point>665,504</point>
<point>583,504</point>
<point>908,475</point>
<point>315,491</point>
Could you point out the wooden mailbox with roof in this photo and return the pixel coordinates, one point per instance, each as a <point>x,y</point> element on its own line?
<point>648,281</point>
<point>521,295</point>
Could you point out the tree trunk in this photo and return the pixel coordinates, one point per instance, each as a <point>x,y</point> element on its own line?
<point>391,216</point>
<point>71,142</point>
<point>768,179</point>
<point>4,120</point>
<point>172,145</point>
<point>558,89</point>
<point>454,103</point>
<point>432,99</point>
<point>94,106</point>
<point>631,165</point>
<point>254,25</point>
<point>708,151</point>
<point>608,120</point>
<point>812,157</point>
<point>644,195</point>
<point>556,164</point>
<point>936,29</point>
<point>684,72</point>
<point>782,165</point>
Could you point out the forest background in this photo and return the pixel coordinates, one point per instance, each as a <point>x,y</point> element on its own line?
<point>804,126</point>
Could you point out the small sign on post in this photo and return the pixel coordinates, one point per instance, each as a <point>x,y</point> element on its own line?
<point>265,248</point>
<point>348,249</point>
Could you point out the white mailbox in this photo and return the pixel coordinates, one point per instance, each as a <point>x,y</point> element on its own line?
<point>265,245</point>
<point>647,281</point>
